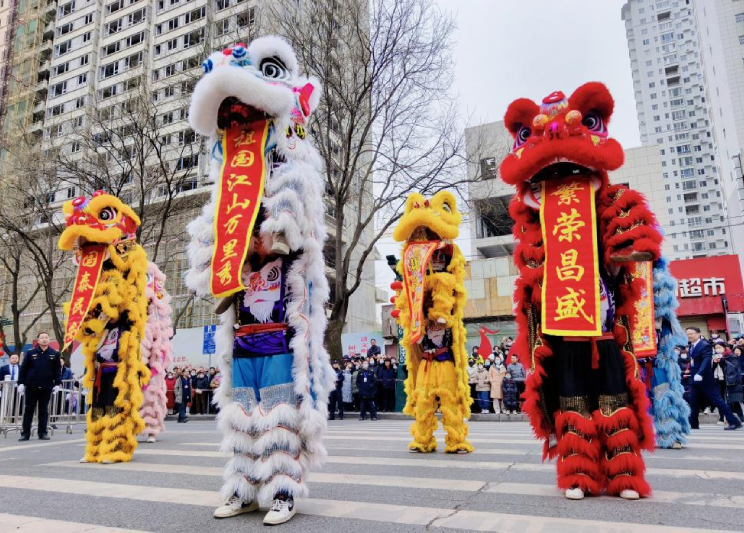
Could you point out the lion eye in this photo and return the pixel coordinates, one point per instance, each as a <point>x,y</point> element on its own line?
<point>446,207</point>
<point>107,214</point>
<point>593,122</point>
<point>522,135</point>
<point>273,68</point>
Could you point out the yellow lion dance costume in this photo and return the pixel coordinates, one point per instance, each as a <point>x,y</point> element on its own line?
<point>429,306</point>
<point>107,314</point>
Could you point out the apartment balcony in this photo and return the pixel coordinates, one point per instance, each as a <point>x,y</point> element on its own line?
<point>49,31</point>
<point>501,246</point>
<point>51,8</point>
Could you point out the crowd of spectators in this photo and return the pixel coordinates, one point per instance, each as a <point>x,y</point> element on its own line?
<point>726,368</point>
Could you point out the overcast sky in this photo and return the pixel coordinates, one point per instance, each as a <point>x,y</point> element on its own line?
<point>508,49</point>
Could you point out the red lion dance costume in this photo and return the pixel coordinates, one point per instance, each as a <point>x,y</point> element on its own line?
<point>578,239</point>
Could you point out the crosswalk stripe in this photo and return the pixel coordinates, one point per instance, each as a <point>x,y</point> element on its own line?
<point>387,513</point>
<point>32,524</point>
<point>324,477</point>
<point>658,496</point>
<point>315,477</point>
<point>455,464</point>
<point>39,445</point>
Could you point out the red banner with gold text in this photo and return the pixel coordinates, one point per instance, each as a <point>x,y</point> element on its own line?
<point>239,198</point>
<point>643,331</point>
<point>88,275</point>
<point>416,256</point>
<point>570,291</point>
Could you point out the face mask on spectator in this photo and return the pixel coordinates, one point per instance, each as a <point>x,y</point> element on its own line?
<point>480,366</point>
<point>365,366</point>
<point>683,356</point>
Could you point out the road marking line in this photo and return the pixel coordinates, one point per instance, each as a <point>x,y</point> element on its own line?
<point>323,477</point>
<point>386,513</point>
<point>32,524</point>
<point>40,445</point>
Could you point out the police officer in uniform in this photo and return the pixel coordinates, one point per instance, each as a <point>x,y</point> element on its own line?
<point>41,374</point>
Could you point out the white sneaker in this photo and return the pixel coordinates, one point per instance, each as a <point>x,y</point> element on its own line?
<point>721,423</point>
<point>575,494</point>
<point>706,411</point>
<point>83,459</point>
<point>629,494</point>
<point>281,511</point>
<point>677,446</point>
<point>151,439</point>
<point>235,506</point>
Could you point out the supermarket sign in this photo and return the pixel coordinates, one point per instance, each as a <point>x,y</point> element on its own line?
<point>702,285</point>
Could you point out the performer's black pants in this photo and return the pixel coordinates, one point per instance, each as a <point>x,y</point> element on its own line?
<point>36,396</point>
<point>704,391</point>
<point>367,403</point>
<point>579,379</point>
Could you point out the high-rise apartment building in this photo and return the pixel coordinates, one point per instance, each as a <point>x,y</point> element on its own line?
<point>675,113</point>
<point>721,29</point>
<point>87,66</point>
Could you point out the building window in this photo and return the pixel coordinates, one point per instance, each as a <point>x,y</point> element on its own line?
<point>82,79</point>
<point>66,9</point>
<point>80,102</point>
<point>84,59</point>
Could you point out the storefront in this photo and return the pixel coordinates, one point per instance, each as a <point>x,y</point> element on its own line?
<point>711,294</point>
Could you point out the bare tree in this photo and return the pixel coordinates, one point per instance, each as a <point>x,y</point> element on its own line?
<point>30,226</point>
<point>386,125</point>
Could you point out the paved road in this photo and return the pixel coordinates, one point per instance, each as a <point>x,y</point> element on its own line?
<point>369,484</point>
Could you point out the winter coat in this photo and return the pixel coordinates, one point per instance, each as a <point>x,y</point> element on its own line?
<point>471,374</point>
<point>732,372</point>
<point>496,373</point>
<point>387,377</point>
<point>509,388</point>
<point>201,383</point>
<point>339,380</point>
<point>354,386</point>
<point>170,385</point>
<point>482,380</point>
<point>517,371</point>
<point>183,390</point>
<point>346,393</point>
<point>366,383</point>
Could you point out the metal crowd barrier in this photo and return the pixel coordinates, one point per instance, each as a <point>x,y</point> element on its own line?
<point>66,408</point>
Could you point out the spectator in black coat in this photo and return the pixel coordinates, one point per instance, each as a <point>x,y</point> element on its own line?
<point>366,383</point>
<point>336,397</point>
<point>12,370</point>
<point>511,394</point>
<point>41,373</point>
<point>386,375</point>
<point>731,364</point>
<point>201,388</point>
<point>704,385</point>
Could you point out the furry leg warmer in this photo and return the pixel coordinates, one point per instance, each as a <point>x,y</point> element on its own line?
<point>621,462</point>
<point>423,427</point>
<point>578,452</point>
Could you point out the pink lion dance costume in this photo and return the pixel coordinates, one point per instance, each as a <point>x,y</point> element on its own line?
<point>578,240</point>
<point>157,351</point>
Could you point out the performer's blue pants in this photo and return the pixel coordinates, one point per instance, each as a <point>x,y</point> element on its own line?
<point>267,378</point>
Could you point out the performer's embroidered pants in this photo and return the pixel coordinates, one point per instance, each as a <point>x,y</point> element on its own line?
<point>598,447</point>
<point>261,428</point>
<point>436,386</point>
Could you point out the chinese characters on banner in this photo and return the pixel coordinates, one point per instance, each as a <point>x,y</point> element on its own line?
<point>239,198</point>
<point>358,344</point>
<point>694,287</point>
<point>416,256</point>
<point>644,326</point>
<point>88,274</point>
<point>570,291</point>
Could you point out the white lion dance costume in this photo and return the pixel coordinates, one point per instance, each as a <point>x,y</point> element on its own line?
<point>258,246</point>
<point>157,352</point>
